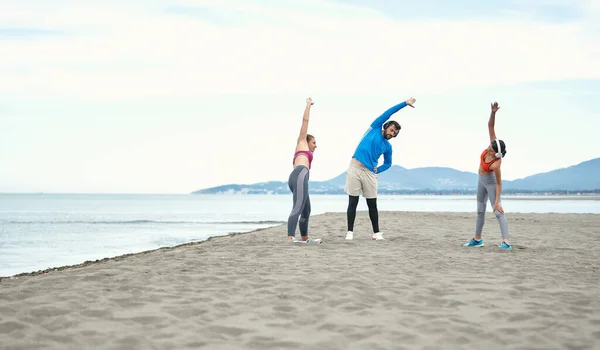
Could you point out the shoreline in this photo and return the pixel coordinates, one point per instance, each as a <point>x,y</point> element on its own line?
<point>124,256</point>
<point>549,194</point>
<point>229,235</point>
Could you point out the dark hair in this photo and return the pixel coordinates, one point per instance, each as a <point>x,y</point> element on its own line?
<point>309,137</point>
<point>502,147</point>
<point>390,123</point>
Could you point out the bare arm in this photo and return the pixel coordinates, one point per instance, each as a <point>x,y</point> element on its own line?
<point>492,121</point>
<point>305,118</point>
<point>498,174</point>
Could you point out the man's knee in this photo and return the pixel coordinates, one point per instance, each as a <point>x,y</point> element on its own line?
<point>372,203</point>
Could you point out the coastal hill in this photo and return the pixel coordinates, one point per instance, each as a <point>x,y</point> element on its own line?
<point>583,177</point>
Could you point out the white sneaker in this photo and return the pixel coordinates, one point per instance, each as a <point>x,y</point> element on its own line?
<point>308,241</point>
<point>350,235</point>
<point>378,237</point>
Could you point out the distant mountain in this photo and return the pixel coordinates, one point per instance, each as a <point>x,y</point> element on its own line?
<point>430,178</point>
<point>399,180</point>
<point>583,176</point>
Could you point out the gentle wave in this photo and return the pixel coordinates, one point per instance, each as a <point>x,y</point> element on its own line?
<point>133,222</point>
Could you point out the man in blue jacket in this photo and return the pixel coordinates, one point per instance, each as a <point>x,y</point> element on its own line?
<point>363,169</point>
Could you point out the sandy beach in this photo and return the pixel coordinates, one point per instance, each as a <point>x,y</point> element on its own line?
<point>418,289</point>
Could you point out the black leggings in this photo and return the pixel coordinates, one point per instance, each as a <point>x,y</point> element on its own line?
<point>373,214</point>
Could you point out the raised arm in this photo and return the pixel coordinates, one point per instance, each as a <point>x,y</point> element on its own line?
<point>492,121</point>
<point>305,118</point>
<point>378,123</point>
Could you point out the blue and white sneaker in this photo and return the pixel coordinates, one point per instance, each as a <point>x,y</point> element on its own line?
<point>474,243</point>
<point>505,246</point>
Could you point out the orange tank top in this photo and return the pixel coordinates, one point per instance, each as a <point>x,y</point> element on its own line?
<point>486,166</point>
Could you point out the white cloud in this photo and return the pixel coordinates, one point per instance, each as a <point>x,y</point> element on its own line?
<point>315,49</point>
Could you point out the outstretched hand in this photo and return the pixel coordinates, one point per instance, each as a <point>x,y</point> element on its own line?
<point>411,101</point>
<point>495,107</point>
<point>309,100</point>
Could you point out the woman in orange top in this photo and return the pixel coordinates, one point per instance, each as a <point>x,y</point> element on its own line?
<point>490,185</point>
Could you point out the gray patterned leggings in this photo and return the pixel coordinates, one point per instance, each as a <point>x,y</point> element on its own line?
<point>298,183</point>
<point>486,188</point>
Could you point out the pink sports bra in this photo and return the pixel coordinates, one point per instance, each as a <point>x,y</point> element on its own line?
<point>308,154</point>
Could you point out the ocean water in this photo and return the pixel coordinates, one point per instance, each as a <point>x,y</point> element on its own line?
<point>40,231</point>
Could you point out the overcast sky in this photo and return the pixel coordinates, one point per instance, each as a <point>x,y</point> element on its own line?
<point>156,96</point>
